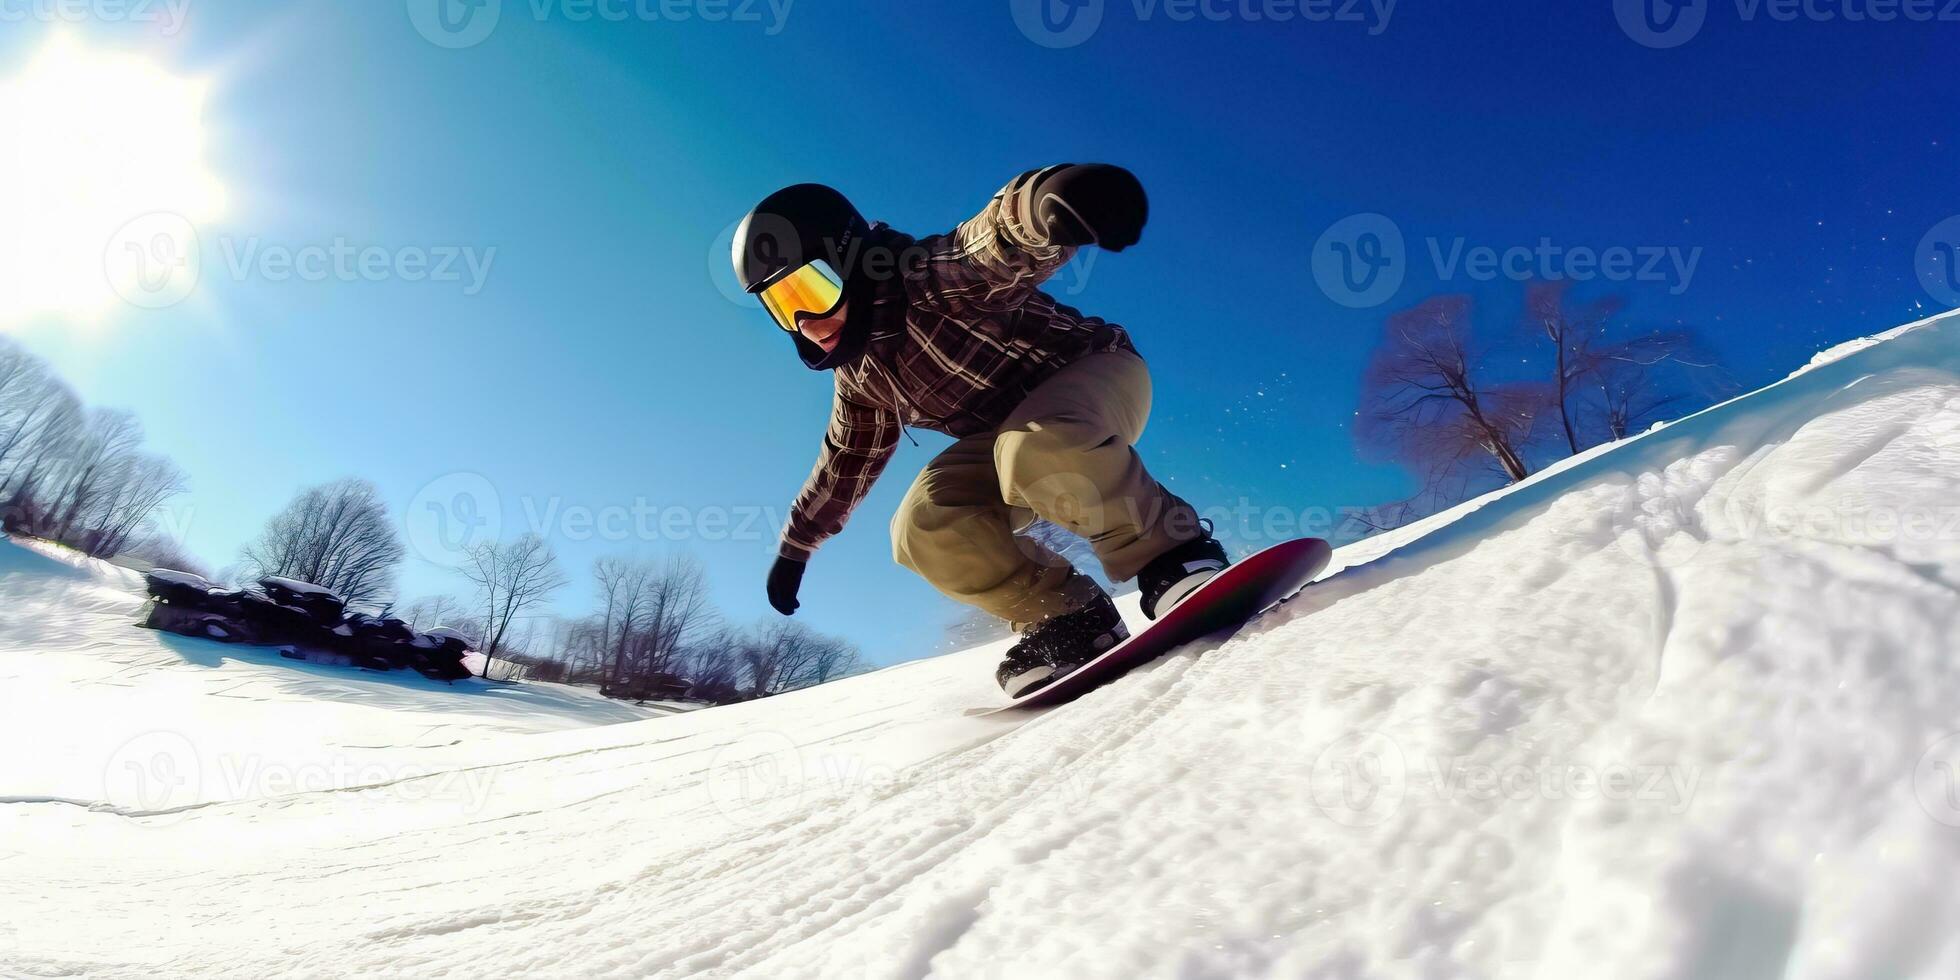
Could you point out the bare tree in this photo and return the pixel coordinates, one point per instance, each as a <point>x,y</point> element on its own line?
<point>429,612</point>
<point>1575,337</point>
<point>832,660</point>
<point>1425,403</point>
<point>784,655</point>
<point>47,429</point>
<point>624,596</point>
<point>337,536</point>
<point>159,550</point>
<point>141,485</point>
<point>714,664</point>
<point>1594,374</point>
<point>92,468</point>
<point>37,411</point>
<point>75,476</point>
<point>678,610</point>
<point>650,612</point>
<point>580,644</point>
<point>510,578</point>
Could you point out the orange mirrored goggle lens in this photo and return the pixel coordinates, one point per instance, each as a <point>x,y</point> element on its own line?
<point>812,290</point>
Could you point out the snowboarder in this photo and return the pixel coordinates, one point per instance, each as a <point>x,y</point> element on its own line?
<point>952,333</point>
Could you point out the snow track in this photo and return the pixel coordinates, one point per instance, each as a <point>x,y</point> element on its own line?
<point>1682,707</point>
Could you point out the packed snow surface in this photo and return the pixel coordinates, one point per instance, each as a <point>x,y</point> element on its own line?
<point>1682,707</point>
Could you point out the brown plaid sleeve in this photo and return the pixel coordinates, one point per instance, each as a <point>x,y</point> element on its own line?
<point>1002,253</point>
<point>859,443</point>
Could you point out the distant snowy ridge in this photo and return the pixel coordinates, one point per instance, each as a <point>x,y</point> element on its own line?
<point>1683,706</point>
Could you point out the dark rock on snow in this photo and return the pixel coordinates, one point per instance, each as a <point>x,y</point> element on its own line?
<point>305,621</point>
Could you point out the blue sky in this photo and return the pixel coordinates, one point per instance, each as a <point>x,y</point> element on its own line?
<point>600,368</point>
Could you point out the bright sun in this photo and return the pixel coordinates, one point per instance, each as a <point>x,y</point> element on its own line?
<point>94,141</point>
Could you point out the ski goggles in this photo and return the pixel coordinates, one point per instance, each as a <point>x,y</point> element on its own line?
<point>813,289</point>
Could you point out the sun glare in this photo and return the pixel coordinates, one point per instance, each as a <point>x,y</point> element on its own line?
<point>93,141</point>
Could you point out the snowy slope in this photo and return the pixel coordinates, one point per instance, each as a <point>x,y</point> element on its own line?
<point>79,680</point>
<point>1683,707</point>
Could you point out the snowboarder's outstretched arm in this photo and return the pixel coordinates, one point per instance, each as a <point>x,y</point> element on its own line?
<point>858,444</point>
<point>1032,227</point>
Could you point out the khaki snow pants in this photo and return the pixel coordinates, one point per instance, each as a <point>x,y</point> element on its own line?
<point>1065,455</point>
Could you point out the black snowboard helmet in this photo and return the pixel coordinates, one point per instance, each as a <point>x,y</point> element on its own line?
<point>802,247</point>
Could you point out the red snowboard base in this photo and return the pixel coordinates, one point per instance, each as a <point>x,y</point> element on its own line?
<point>1230,600</point>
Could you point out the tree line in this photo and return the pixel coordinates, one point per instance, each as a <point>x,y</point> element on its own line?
<point>75,474</point>
<point>654,627</point>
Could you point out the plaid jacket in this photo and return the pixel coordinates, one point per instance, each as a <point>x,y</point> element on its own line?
<point>955,343</point>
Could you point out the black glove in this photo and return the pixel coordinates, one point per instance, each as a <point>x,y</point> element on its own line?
<point>1092,204</point>
<point>785,577</point>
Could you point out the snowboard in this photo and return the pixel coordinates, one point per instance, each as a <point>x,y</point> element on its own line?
<point>1226,602</point>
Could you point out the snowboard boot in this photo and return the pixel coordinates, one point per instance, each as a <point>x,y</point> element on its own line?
<point>1051,648</point>
<point>1178,572</point>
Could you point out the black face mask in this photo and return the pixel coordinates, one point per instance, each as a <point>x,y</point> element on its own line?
<point>869,299</point>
